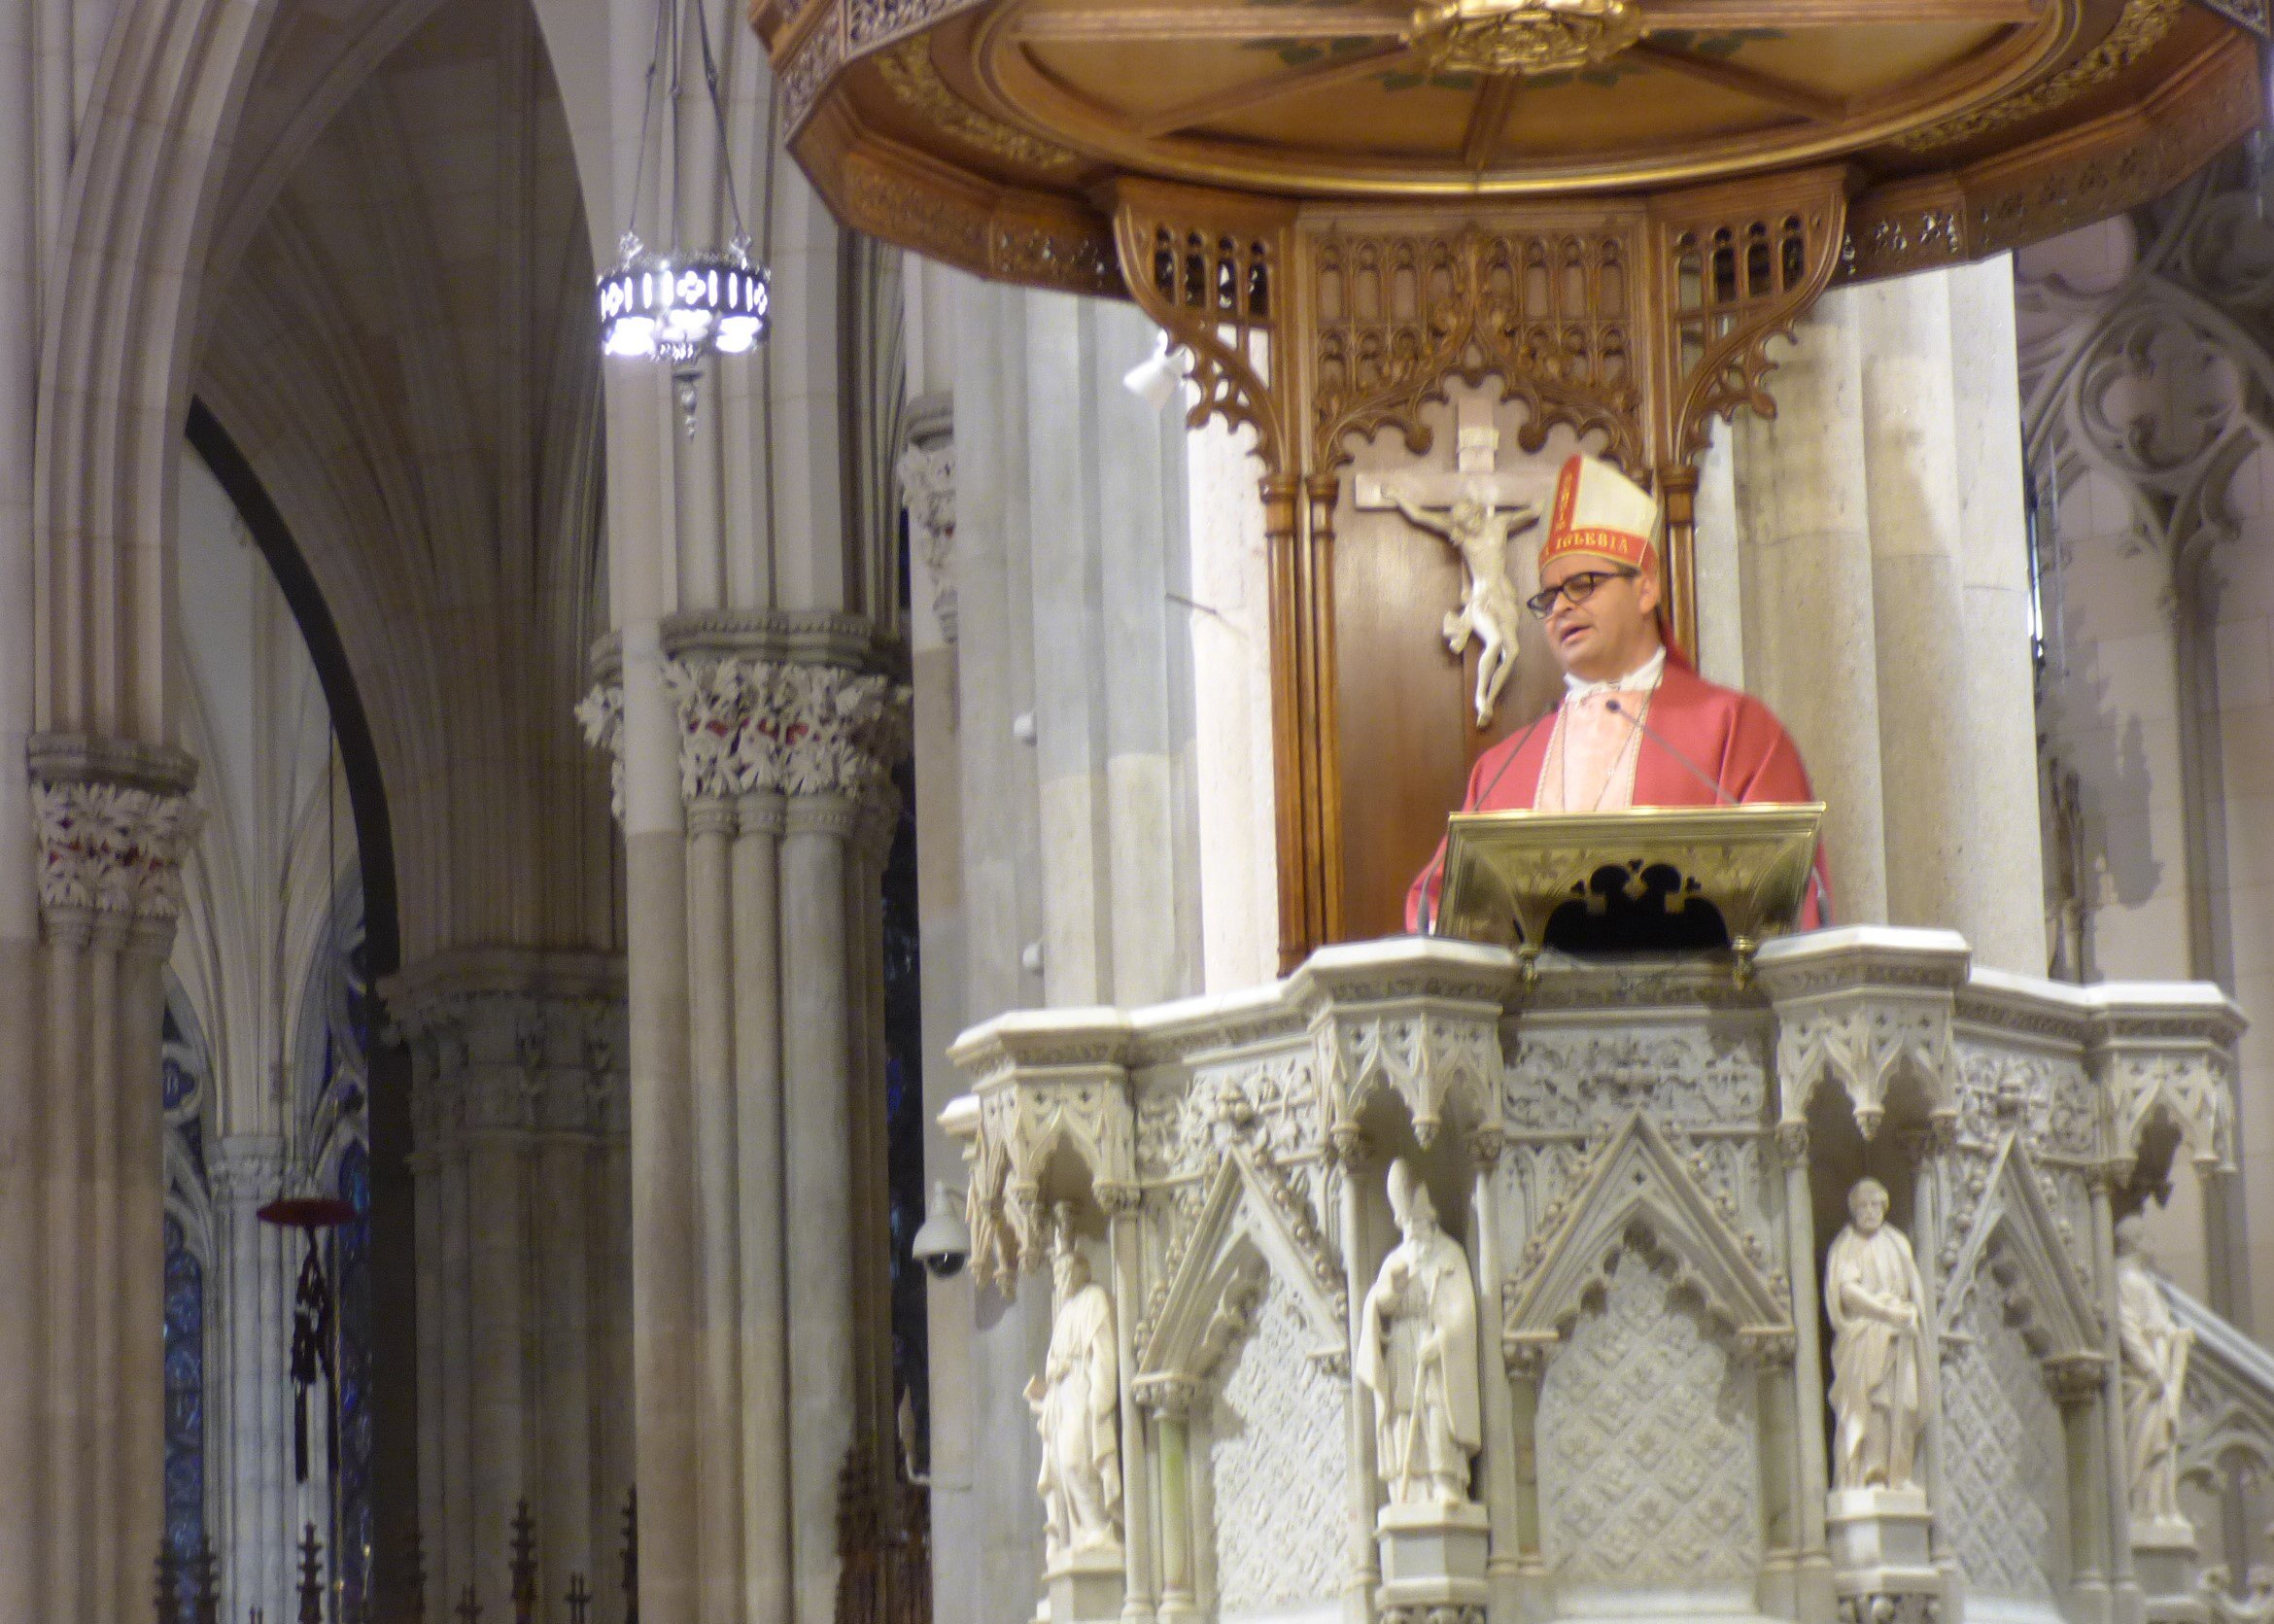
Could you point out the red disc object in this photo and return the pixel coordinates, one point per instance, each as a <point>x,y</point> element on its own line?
<point>307,1212</point>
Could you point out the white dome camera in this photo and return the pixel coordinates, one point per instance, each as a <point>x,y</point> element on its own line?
<point>943,1241</point>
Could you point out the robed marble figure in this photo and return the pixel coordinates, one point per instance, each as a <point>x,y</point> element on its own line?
<point>1417,1353</point>
<point>1636,725</point>
<point>1077,1408</point>
<point>1873,1293</point>
<point>2154,1349</point>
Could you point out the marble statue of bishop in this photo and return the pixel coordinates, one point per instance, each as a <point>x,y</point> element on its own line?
<point>1637,726</point>
<point>1417,1353</point>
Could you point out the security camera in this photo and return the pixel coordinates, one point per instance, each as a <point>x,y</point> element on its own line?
<point>1154,379</point>
<point>943,1241</point>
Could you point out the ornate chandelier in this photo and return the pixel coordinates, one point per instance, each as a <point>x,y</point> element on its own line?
<point>682,306</point>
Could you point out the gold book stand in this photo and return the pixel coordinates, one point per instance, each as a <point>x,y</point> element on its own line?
<point>1649,879</point>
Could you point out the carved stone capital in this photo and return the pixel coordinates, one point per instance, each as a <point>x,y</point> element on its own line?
<point>1792,1142</point>
<point>245,1169</point>
<point>1168,1397</point>
<point>114,829</point>
<point>1119,1200</point>
<point>1891,1607</point>
<point>2075,1378</point>
<point>508,1042</point>
<point>753,725</point>
<point>1434,1612</point>
<point>601,715</point>
<point>758,726</point>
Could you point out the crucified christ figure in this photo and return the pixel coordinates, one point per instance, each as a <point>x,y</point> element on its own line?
<point>1480,530</point>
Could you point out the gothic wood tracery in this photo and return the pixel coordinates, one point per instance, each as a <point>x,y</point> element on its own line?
<point>1632,324</point>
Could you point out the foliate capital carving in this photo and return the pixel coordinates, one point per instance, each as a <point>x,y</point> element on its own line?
<point>754,727</point>
<point>112,849</point>
<point>926,471</point>
<point>841,730</point>
<point>1792,1142</point>
<point>601,715</point>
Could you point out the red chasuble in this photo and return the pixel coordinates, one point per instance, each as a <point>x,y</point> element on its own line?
<point>1728,736</point>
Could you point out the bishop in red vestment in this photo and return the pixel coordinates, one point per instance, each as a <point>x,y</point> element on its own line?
<point>1637,726</point>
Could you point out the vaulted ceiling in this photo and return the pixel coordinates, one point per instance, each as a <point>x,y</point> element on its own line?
<point>398,331</point>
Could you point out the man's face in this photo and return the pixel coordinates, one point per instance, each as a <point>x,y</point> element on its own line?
<point>1615,631</point>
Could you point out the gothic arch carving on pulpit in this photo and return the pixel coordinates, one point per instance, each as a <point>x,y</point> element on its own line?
<point>1218,1269</point>
<point>1865,1050</point>
<point>1638,1192</point>
<point>2016,1238</point>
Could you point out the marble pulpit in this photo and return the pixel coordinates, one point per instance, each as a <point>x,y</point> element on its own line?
<point>1640,1166</point>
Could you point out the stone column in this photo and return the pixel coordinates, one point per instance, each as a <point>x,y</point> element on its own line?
<point>1058,840</point>
<point>1804,517</point>
<point>82,1141</point>
<point>1815,1477</point>
<point>519,1124</point>
<point>782,737</point>
<point>1499,1491</point>
<point>248,1382</point>
<point>1886,608</point>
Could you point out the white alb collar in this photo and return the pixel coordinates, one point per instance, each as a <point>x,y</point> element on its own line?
<point>1640,681</point>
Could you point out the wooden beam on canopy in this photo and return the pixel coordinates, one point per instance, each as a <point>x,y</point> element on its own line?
<point>1254,92</point>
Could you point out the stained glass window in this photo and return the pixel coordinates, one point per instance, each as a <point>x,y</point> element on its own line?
<point>183,1085</point>
<point>184,1393</point>
<point>904,1107</point>
<point>352,1271</point>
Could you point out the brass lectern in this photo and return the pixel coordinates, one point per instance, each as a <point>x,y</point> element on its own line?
<point>1649,879</point>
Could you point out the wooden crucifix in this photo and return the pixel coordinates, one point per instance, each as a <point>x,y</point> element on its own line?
<point>1476,508</point>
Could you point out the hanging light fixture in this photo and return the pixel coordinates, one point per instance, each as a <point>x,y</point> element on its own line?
<point>682,306</point>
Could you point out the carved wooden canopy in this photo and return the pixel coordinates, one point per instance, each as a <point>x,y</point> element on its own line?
<point>1604,210</point>
<point>980,131</point>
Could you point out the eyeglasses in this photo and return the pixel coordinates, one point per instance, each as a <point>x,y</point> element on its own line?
<point>1574,589</point>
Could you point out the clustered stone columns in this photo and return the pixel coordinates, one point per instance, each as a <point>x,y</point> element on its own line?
<point>82,1193</point>
<point>1885,569</point>
<point>523,1210</point>
<point>757,1117</point>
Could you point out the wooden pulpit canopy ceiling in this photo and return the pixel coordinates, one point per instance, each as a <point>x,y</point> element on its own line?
<point>1608,208</point>
<point>986,132</point>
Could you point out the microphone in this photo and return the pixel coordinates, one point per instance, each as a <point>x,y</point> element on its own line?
<point>1437,901</point>
<point>1815,880</point>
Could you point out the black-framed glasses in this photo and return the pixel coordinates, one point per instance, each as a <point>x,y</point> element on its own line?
<point>1576,589</point>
